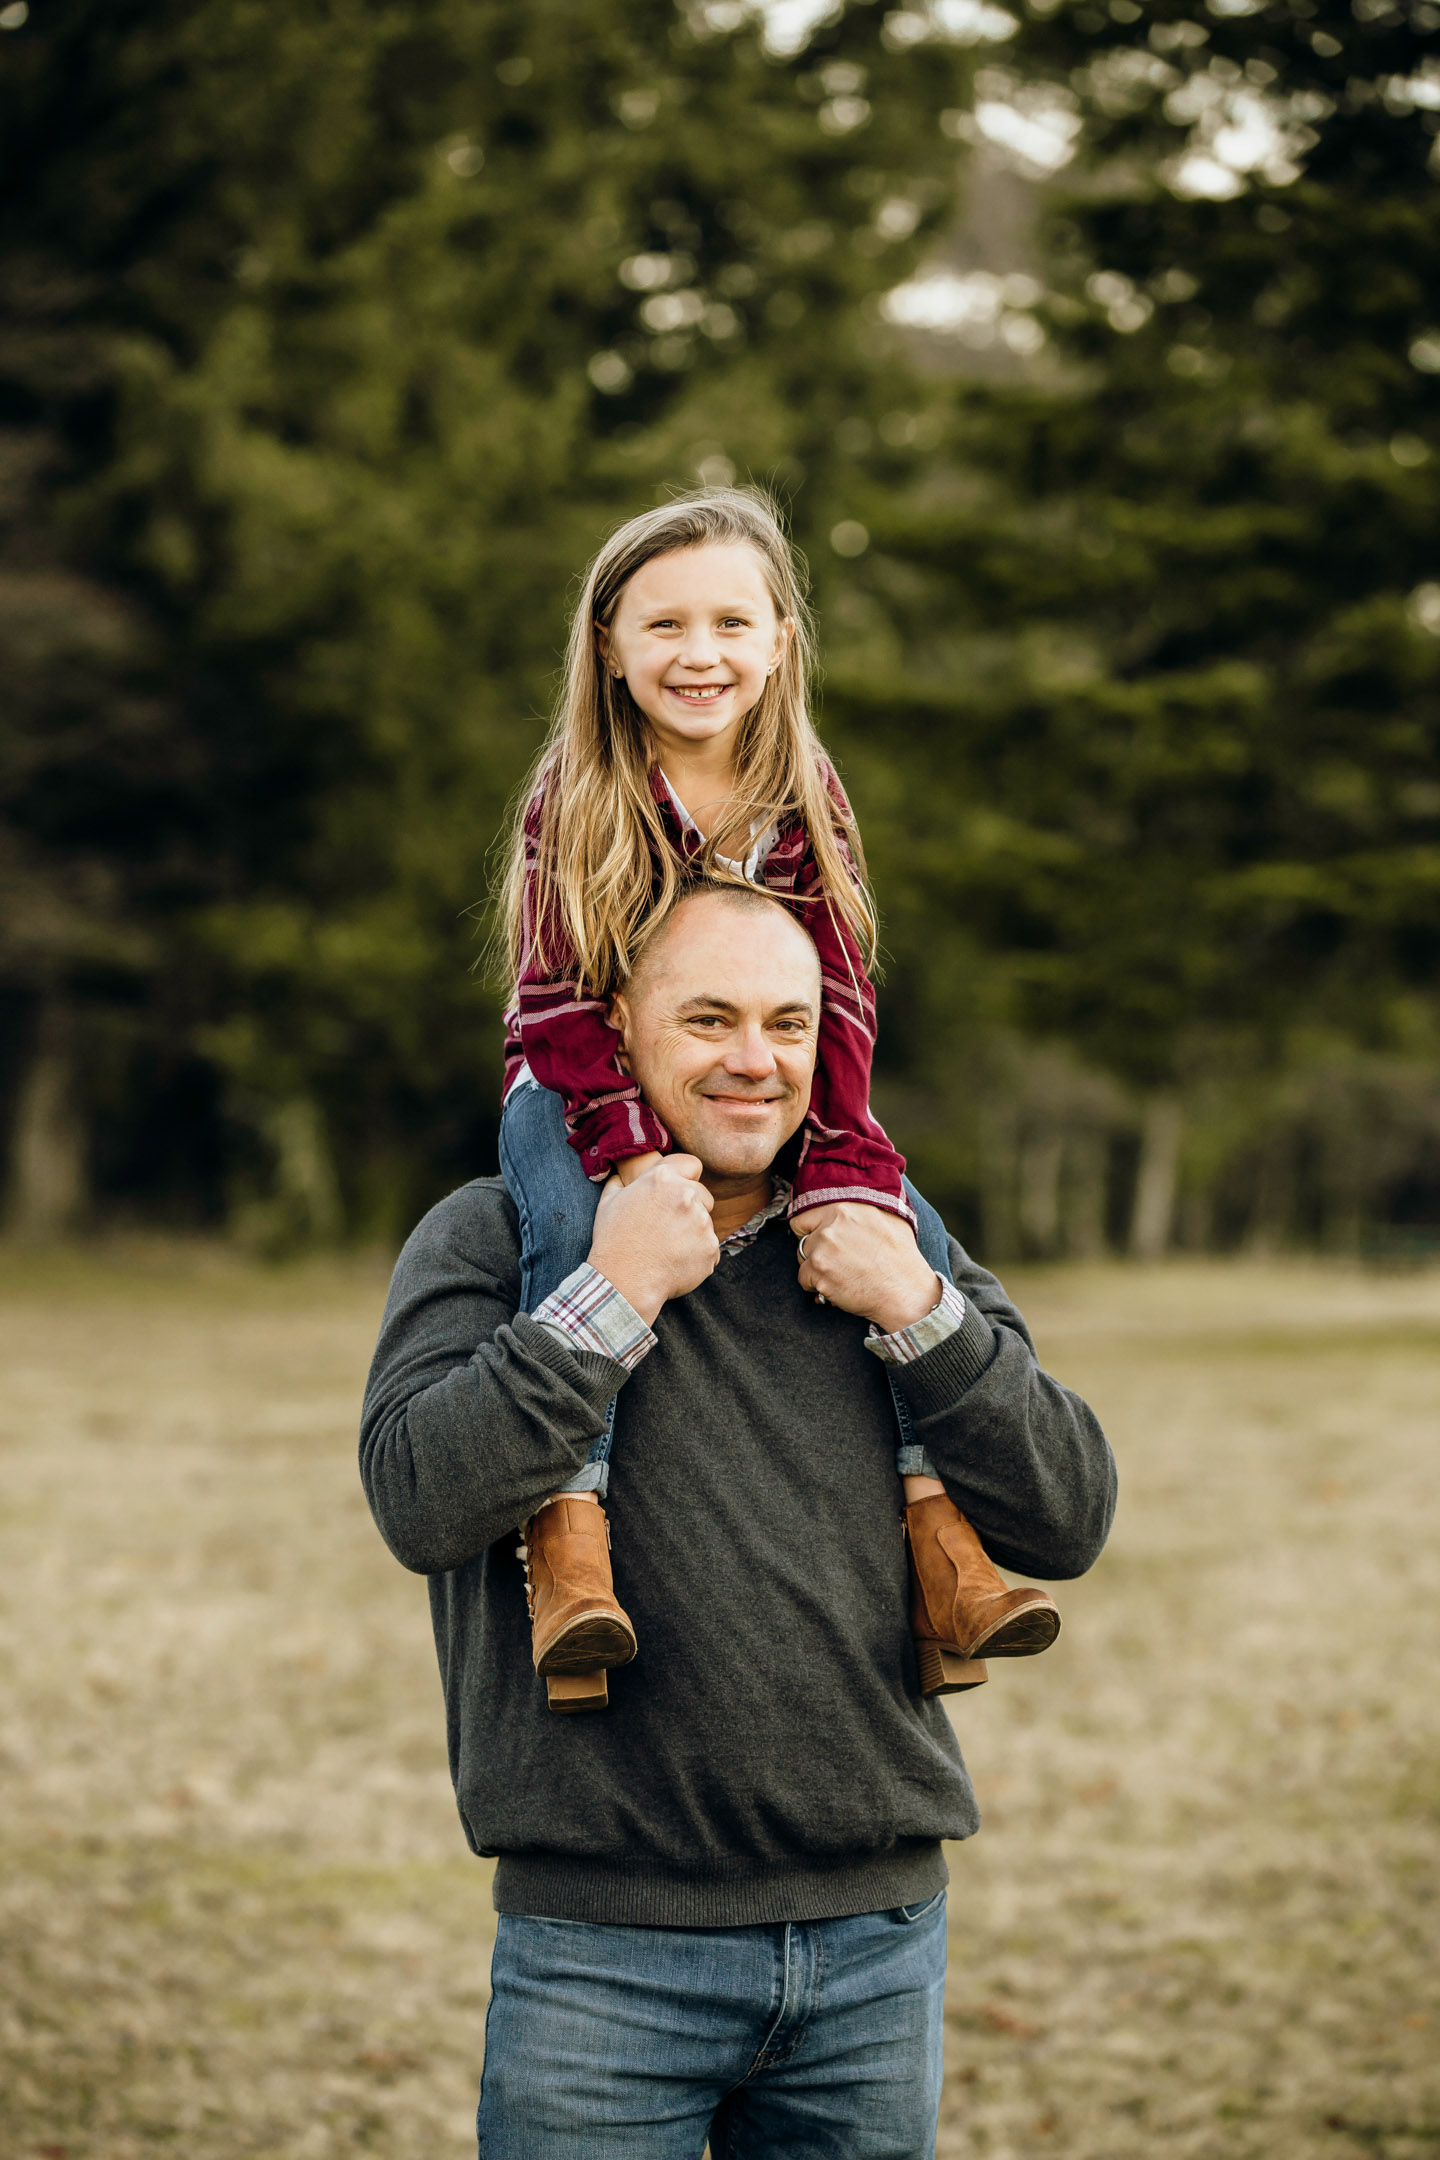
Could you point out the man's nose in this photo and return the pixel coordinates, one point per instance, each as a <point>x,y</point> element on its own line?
<point>750,1056</point>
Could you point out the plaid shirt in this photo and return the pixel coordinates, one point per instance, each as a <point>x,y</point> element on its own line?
<point>592,1315</point>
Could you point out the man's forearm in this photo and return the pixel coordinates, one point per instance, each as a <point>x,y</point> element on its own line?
<point>471,1417</point>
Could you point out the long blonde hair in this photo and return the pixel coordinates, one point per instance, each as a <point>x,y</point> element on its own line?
<point>605,864</point>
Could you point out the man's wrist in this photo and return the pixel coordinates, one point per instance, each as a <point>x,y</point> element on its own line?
<point>594,1314</point>
<point>921,1336</point>
<point>631,1279</point>
<point>909,1302</point>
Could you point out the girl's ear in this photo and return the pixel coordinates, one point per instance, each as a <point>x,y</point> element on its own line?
<point>602,646</point>
<point>783,636</point>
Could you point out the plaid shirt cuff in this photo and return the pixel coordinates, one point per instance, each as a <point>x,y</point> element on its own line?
<point>909,1343</point>
<point>590,1313</point>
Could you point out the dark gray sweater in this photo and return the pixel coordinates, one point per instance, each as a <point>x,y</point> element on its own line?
<point>768,1755</point>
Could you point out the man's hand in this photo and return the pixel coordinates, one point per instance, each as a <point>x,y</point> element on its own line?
<point>653,1238</point>
<point>866,1261</point>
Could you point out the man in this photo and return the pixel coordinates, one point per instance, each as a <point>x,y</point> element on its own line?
<point>721,1902</point>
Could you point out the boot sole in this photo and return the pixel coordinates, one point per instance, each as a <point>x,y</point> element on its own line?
<point>944,1672</point>
<point>1020,1634</point>
<point>590,1640</point>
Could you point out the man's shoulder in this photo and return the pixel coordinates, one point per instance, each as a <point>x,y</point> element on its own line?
<point>472,1229</point>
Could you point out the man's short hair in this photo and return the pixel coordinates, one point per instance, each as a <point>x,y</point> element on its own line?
<point>750,898</point>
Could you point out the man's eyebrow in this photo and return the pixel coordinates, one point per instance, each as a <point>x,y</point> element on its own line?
<point>704,1003</point>
<point>800,1006</point>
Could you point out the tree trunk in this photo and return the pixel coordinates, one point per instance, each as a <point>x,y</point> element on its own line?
<point>1040,1159</point>
<point>47,1185</point>
<point>998,1180</point>
<point>305,1171</point>
<point>1156,1178</point>
<point>1272,1205</point>
<point>1087,1159</point>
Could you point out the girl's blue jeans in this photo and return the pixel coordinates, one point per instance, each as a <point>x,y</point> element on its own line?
<point>556,1204</point>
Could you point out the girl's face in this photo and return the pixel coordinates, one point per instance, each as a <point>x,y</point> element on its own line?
<point>695,635</point>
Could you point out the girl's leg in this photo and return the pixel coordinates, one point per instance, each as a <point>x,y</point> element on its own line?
<point>556,1204</point>
<point>911,1460</point>
<point>930,1233</point>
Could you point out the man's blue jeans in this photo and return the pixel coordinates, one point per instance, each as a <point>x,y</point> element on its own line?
<point>817,2038</point>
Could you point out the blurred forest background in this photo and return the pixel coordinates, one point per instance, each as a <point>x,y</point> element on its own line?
<point>1095,353</point>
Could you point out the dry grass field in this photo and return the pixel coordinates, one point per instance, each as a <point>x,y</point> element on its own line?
<point>237,1916</point>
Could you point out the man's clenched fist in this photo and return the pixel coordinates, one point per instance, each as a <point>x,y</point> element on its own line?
<point>866,1261</point>
<point>653,1239</point>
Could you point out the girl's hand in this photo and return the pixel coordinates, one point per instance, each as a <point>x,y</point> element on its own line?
<point>636,1165</point>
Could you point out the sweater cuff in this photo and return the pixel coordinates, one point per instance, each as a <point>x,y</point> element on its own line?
<point>934,1382</point>
<point>592,1315</point>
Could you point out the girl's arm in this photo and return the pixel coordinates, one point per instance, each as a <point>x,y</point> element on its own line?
<point>571,1047</point>
<point>845,1154</point>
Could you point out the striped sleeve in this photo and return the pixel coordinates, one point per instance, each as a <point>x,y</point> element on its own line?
<point>845,1153</point>
<point>565,1037</point>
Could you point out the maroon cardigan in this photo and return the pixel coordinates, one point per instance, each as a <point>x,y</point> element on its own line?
<point>564,1036</point>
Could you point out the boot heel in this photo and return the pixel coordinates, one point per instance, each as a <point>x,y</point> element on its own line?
<point>945,1672</point>
<point>573,1691</point>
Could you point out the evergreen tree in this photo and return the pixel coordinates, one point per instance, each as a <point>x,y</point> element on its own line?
<point>1165,764</point>
<point>342,331</point>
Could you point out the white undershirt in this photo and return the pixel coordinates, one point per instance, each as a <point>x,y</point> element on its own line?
<point>763,841</point>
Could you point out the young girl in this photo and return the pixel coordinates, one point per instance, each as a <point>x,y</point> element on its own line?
<point>682,745</point>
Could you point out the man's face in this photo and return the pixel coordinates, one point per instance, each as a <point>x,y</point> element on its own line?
<point>720,1030</point>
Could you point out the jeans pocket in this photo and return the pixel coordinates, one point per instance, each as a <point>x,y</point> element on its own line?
<point>907,1915</point>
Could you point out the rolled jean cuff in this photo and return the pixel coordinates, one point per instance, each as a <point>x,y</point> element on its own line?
<point>914,1462</point>
<point>595,1477</point>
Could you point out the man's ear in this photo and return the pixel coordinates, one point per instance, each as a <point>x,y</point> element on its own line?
<point>619,1019</point>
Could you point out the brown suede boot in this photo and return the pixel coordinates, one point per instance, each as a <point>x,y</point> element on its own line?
<point>577,1627</point>
<point>960,1608</point>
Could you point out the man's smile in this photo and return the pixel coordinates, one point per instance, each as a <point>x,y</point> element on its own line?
<point>742,1102</point>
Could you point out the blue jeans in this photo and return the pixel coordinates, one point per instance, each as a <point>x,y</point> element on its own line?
<point>556,1204</point>
<point>638,2043</point>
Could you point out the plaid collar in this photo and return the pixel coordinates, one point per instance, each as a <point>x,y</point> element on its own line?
<point>748,1232</point>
